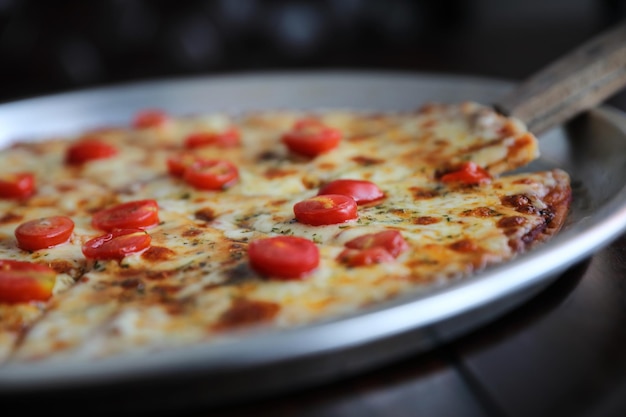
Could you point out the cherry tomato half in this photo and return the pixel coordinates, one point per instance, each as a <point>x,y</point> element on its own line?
<point>360,190</point>
<point>21,282</point>
<point>87,150</point>
<point>117,244</point>
<point>468,173</point>
<point>390,240</point>
<point>44,233</point>
<point>141,214</point>
<point>283,257</point>
<point>355,257</point>
<point>177,164</point>
<point>310,137</point>
<point>207,174</point>
<point>18,185</point>
<point>150,118</point>
<point>326,209</point>
<point>226,139</point>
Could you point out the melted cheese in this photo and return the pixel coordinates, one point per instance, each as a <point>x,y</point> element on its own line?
<point>195,284</point>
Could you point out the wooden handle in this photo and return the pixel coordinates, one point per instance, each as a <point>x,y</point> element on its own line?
<point>575,83</point>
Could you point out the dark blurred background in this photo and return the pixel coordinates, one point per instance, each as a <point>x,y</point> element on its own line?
<point>51,46</point>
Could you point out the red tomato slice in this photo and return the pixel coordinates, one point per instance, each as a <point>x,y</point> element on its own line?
<point>361,191</point>
<point>150,118</point>
<point>18,185</point>
<point>283,257</point>
<point>177,164</point>
<point>141,214</point>
<point>87,150</point>
<point>375,255</point>
<point>209,174</point>
<point>21,282</point>
<point>311,137</point>
<point>226,139</point>
<point>468,173</point>
<point>326,209</point>
<point>44,233</point>
<point>390,240</point>
<point>117,244</point>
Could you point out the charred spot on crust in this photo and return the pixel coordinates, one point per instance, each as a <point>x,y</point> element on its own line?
<point>535,233</point>
<point>511,221</point>
<point>245,312</point>
<point>548,215</point>
<point>520,202</point>
<point>206,214</point>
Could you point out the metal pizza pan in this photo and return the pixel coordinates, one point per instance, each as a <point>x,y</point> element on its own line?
<point>261,363</point>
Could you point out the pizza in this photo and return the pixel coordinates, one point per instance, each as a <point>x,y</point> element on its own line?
<point>183,229</point>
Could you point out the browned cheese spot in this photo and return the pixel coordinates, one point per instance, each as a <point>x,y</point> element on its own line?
<point>519,202</point>
<point>366,161</point>
<point>402,213</point>
<point>524,181</point>
<point>423,193</point>
<point>158,253</point>
<point>10,218</point>
<point>158,275</point>
<point>192,232</point>
<point>61,266</point>
<point>508,129</point>
<point>273,173</point>
<point>62,188</point>
<point>206,214</point>
<point>310,182</point>
<point>520,143</point>
<point>479,212</point>
<point>328,166</point>
<point>275,203</point>
<point>428,123</point>
<point>268,156</point>
<point>165,290</point>
<point>425,220</point>
<point>244,312</point>
<point>464,246</point>
<point>237,251</point>
<point>132,284</point>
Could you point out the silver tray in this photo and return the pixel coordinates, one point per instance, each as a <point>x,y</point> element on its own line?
<point>592,150</point>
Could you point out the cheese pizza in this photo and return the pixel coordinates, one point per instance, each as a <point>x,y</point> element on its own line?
<point>182,229</point>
